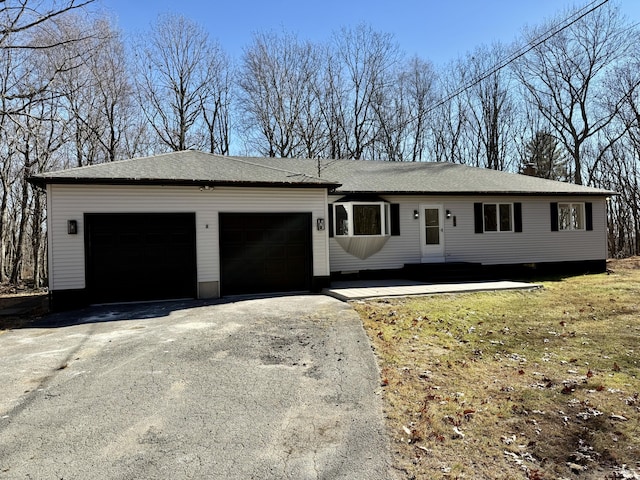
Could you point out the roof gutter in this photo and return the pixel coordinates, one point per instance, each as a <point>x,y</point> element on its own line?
<point>601,193</point>
<point>43,181</point>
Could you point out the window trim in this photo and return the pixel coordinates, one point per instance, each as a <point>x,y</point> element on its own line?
<point>385,218</point>
<point>512,228</point>
<point>582,215</point>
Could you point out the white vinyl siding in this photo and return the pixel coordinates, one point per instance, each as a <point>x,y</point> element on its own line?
<point>71,202</point>
<point>536,243</point>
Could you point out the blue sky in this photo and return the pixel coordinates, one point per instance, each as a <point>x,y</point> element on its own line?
<point>438,30</point>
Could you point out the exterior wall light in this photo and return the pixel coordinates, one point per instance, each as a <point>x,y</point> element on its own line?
<point>448,213</point>
<point>320,224</point>
<point>72,227</point>
<point>416,214</point>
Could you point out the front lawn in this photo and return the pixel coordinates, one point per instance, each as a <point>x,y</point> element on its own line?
<point>514,385</point>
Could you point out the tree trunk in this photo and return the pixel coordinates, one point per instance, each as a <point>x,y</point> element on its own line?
<point>36,238</point>
<point>16,271</point>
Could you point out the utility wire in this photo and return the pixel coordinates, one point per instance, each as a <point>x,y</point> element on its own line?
<point>519,53</point>
<point>522,51</point>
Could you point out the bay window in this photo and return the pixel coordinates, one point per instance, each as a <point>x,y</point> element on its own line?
<point>360,219</point>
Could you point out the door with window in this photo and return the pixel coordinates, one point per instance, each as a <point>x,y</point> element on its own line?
<point>432,233</point>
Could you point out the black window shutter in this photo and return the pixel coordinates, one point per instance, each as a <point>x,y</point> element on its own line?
<point>330,220</point>
<point>394,212</point>
<point>554,216</point>
<point>517,217</point>
<point>588,212</point>
<point>478,217</point>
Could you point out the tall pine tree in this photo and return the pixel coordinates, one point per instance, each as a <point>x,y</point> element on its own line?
<point>544,158</point>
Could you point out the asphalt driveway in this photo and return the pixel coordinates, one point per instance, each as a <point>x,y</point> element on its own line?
<point>278,388</point>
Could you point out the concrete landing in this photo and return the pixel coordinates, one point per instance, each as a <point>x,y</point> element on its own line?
<point>361,289</point>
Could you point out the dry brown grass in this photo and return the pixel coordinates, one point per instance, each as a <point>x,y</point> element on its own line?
<point>514,385</point>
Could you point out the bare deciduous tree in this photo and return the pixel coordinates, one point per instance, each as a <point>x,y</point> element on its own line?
<point>402,113</point>
<point>279,84</point>
<point>490,107</point>
<point>33,26</point>
<point>565,75</point>
<point>450,118</point>
<point>215,102</point>
<point>620,166</point>
<point>111,75</point>
<point>368,60</point>
<point>175,70</point>
<point>30,35</point>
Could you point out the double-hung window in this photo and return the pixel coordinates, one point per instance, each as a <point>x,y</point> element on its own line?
<point>498,217</point>
<point>571,216</point>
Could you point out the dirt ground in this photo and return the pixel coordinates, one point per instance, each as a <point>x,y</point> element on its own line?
<point>21,306</point>
<point>631,263</point>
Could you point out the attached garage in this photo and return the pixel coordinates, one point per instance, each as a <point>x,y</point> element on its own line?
<point>192,224</point>
<point>265,252</point>
<point>140,256</point>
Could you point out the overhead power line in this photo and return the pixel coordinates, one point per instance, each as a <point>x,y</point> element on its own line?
<point>520,52</point>
<point>554,30</point>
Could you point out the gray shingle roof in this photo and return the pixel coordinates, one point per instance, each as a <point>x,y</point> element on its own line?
<point>345,176</point>
<point>184,168</point>
<point>441,178</point>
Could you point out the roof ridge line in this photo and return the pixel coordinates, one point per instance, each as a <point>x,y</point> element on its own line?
<point>241,160</point>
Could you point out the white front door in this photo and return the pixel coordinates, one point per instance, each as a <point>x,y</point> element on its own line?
<point>432,233</point>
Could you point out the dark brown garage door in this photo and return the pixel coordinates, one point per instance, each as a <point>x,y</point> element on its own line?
<point>140,256</point>
<point>265,252</point>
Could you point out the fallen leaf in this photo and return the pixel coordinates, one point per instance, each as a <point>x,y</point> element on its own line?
<point>414,436</point>
<point>508,440</point>
<point>513,457</point>
<point>618,418</point>
<point>575,467</point>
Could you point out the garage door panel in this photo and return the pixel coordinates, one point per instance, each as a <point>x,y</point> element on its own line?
<point>255,237</point>
<point>265,252</point>
<point>146,256</point>
<point>296,251</point>
<point>277,252</point>
<point>279,237</point>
